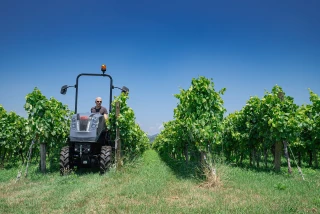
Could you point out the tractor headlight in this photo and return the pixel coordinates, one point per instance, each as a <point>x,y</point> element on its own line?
<point>94,123</point>
<point>74,123</point>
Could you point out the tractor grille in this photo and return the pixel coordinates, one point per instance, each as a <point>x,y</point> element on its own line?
<point>83,124</point>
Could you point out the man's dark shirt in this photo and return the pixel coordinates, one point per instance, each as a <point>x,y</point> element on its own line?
<point>101,110</point>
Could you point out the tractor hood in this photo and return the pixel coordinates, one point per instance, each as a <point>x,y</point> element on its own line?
<point>86,127</point>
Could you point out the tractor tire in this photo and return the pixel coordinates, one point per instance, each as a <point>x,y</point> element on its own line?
<point>65,161</point>
<point>105,159</point>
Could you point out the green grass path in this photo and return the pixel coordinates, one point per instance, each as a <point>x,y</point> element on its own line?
<point>149,186</point>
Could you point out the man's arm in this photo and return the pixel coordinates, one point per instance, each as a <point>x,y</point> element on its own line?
<point>105,113</point>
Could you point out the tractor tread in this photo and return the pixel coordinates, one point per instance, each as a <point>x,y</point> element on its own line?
<point>105,159</point>
<point>65,165</point>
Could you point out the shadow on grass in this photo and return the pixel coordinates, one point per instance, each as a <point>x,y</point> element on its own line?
<point>85,171</point>
<point>269,169</point>
<point>193,168</point>
<point>247,166</point>
<point>53,167</point>
<point>9,165</point>
<point>181,169</point>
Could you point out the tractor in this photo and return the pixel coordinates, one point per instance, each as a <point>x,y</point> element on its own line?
<point>89,143</point>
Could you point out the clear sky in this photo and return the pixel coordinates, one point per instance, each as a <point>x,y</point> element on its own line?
<point>155,48</point>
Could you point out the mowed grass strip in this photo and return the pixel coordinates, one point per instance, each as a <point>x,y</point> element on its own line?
<point>148,185</point>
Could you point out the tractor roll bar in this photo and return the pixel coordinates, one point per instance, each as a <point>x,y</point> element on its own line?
<point>87,74</point>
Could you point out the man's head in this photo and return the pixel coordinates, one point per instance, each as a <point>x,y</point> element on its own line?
<point>98,102</point>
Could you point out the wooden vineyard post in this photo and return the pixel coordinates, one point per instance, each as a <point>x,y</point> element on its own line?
<point>118,141</point>
<point>43,157</point>
<point>203,158</point>
<point>278,144</point>
<point>277,158</point>
<point>285,144</point>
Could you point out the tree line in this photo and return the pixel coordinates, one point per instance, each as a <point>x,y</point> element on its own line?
<point>48,121</point>
<point>265,128</point>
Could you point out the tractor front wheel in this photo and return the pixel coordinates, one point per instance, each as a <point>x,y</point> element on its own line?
<point>105,158</point>
<point>65,161</point>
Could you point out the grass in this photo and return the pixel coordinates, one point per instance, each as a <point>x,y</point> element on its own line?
<point>150,185</point>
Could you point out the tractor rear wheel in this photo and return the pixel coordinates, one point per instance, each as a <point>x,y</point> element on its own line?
<point>65,161</point>
<point>105,158</point>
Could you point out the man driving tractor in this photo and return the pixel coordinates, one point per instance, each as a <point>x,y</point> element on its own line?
<point>99,108</point>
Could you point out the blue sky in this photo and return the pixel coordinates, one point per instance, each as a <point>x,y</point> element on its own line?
<point>155,48</point>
